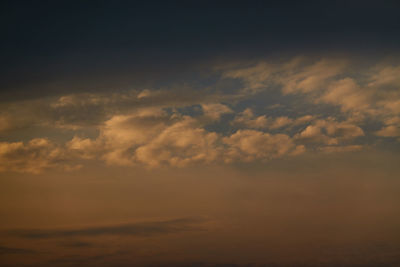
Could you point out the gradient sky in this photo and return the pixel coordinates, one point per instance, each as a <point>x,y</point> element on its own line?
<point>199,134</point>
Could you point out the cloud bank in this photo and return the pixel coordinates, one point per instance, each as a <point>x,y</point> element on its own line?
<point>318,105</point>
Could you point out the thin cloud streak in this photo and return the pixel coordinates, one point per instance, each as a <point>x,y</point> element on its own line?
<point>12,250</point>
<point>133,229</point>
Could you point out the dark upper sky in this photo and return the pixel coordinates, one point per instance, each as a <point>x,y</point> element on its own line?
<point>53,46</point>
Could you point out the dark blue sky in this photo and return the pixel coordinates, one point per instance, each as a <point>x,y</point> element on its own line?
<point>92,45</point>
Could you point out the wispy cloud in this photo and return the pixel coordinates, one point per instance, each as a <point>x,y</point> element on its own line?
<point>12,250</point>
<point>132,229</point>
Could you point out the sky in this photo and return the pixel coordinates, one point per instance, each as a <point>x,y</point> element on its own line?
<point>199,133</point>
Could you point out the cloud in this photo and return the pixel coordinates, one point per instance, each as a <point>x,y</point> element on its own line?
<point>132,229</point>
<point>303,120</point>
<point>389,131</point>
<point>306,79</point>
<point>343,130</point>
<point>299,75</point>
<point>281,122</point>
<point>135,128</point>
<point>385,75</point>
<point>373,92</point>
<point>121,135</point>
<point>9,250</point>
<point>215,110</point>
<point>249,145</point>
<point>76,244</point>
<point>150,137</point>
<point>83,110</point>
<point>154,138</point>
<point>247,119</point>
<point>5,123</point>
<point>325,104</point>
<point>255,77</point>
<point>313,133</point>
<point>15,118</point>
<point>85,148</point>
<point>336,149</point>
<point>391,128</point>
<point>145,93</point>
<point>330,132</point>
<point>34,156</point>
<point>348,95</point>
<point>391,104</point>
<point>180,144</point>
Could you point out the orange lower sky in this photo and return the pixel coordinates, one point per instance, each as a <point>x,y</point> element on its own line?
<point>314,211</point>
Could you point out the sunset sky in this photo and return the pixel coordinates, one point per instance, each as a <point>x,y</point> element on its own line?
<point>200,133</point>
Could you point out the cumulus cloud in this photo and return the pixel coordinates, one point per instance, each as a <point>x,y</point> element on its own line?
<point>249,145</point>
<point>82,110</point>
<point>391,104</point>
<point>386,75</point>
<point>372,93</point>
<point>389,131</point>
<point>247,119</point>
<point>256,77</point>
<point>83,147</point>
<point>151,137</point>
<point>214,111</point>
<point>154,137</point>
<point>121,135</point>
<point>326,105</point>
<point>391,127</point>
<point>179,144</point>
<point>34,156</point>
<point>330,132</point>
<point>303,120</point>
<point>280,122</point>
<point>298,75</point>
<point>347,94</point>
<point>305,79</point>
